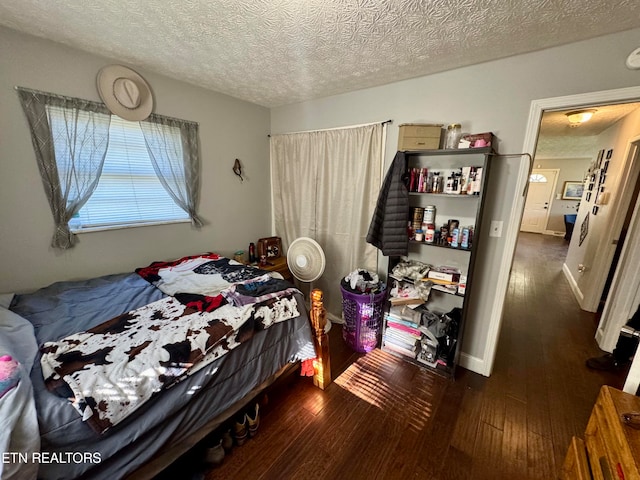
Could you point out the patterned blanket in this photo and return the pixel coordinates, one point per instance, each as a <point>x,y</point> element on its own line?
<point>109,371</point>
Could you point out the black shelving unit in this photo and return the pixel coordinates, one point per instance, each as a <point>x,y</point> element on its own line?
<point>469,210</point>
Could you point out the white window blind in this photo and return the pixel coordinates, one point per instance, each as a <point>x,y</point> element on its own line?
<point>129,192</point>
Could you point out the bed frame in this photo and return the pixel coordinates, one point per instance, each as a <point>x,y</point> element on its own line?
<point>321,379</point>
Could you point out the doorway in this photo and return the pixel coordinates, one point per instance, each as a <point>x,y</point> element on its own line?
<point>621,241</point>
<point>542,184</point>
<point>538,108</point>
<point>595,159</point>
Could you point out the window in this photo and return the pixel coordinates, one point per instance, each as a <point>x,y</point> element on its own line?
<point>129,192</point>
<point>72,145</point>
<point>537,178</point>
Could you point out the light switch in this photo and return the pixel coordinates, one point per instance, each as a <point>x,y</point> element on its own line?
<point>496,228</point>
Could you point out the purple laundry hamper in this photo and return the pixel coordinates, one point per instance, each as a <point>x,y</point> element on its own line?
<point>363,319</point>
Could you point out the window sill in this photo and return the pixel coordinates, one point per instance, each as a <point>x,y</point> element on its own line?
<point>128,225</point>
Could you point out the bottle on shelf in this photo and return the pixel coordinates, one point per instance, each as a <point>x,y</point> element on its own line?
<point>429,234</point>
<point>454,237</point>
<point>449,187</point>
<point>464,240</point>
<point>477,182</point>
<point>252,253</point>
<point>429,214</point>
<point>454,133</point>
<point>437,183</point>
<point>444,234</point>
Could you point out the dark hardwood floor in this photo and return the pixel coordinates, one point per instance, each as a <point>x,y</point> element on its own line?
<point>386,419</point>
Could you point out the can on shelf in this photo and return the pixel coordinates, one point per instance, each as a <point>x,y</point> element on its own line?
<point>464,242</point>
<point>454,237</point>
<point>430,214</point>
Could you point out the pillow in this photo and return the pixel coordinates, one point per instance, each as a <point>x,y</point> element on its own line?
<point>9,374</point>
<point>19,432</point>
<point>17,338</point>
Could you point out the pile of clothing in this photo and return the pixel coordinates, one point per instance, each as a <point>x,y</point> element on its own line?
<point>362,282</point>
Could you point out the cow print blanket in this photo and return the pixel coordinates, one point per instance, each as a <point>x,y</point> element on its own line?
<point>109,371</point>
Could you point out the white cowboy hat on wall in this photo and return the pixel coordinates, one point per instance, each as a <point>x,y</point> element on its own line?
<point>125,93</point>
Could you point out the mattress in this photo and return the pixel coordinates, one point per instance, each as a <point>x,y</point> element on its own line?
<point>170,417</point>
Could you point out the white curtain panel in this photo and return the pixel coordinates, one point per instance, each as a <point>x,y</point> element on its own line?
<point>325,186</point>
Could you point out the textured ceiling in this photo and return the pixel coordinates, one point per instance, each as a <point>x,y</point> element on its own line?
<point>556,123</point>
<point>558,140</point>
<point>276,52</point>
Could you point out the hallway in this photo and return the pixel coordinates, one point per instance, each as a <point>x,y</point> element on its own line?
<point>544,342</point>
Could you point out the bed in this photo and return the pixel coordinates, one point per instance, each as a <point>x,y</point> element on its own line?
<point>190,398</point>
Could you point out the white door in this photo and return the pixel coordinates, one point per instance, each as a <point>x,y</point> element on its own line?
<point>542,184</point>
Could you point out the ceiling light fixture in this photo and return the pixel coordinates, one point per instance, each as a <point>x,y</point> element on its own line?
<point>577,117</point>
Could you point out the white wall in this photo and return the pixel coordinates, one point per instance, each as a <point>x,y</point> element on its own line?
<point>597,250</point>
<point>236,213</point>
<point>571,170</point>
<point>494,96</point>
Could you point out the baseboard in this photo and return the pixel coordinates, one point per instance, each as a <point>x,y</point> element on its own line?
<point>475,364</point>
<point>554,233</point>
<point>573,284</point>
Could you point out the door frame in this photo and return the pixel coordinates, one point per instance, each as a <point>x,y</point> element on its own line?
<point>622,299</point>
<point>551,196</point>
<point>536,110</point>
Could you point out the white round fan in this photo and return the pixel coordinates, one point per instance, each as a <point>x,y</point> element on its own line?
<point>306,259</point>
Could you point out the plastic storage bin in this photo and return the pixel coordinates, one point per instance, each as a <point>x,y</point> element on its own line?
<point>363,319</point>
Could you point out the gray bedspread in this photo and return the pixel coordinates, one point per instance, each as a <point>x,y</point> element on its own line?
<point>67,307</point>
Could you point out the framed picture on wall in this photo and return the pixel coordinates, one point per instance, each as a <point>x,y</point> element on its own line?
<point>572,190</point>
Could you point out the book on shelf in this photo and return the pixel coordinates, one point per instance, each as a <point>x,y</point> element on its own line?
<point>400,350</point>
<point>400,321</point>
<point>403,348</point>
<point>446,274</point>
<point>438,281</point>
<point>403,328</point>
<point>400,337</point>
<point>410,337</point>
<point>451,289</point>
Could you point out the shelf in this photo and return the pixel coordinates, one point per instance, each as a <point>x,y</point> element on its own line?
<point>441,288</point>
<point>449,247</point>
<point>445,161</point>
<point>446,195</point>
<point>452,151</point>
<point>437,287</point>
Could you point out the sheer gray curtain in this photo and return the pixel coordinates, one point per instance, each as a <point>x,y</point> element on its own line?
<point>176,160</point>
<point>70,137</point>
<point>325,186</point>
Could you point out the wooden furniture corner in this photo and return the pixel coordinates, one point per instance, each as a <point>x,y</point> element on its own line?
<point>611,448</point>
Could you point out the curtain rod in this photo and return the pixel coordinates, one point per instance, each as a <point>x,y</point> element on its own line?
<point>337,128</point>
<point>74,99</point>
<point>56,95</point>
